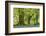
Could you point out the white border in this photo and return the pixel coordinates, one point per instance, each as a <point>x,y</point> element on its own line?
<point>31,29</point>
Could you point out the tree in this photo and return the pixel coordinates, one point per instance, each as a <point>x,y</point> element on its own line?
<point>21,16</point>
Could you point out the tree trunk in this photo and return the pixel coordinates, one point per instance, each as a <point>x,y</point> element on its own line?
<point>21,16</point>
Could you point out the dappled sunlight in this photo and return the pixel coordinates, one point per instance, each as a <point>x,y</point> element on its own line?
<point>26,17</point>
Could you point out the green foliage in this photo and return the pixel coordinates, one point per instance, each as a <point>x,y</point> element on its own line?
<point>25,17</point>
